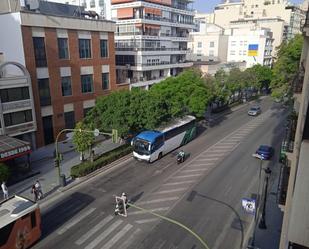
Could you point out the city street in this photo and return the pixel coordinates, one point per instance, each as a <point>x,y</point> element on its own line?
<point>204,193</point>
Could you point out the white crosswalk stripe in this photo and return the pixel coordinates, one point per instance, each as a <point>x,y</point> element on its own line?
<point>187,176</point>
<point>194,170</point>
<point>177,183</point>
<point>114,240</point>
<point>169,191</point>
<point>146,220</point>
<point>158,200</point>
<point>75,221</point>
<point>152,210</point>
<point>92,231</point>
<point>129,240</point>
<point>206,159</point>
<point>103,235</point>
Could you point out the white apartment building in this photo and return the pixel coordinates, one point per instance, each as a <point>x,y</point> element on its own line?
<point>252,46</point>
<point>209,44</point>
<point>101,7</point>
<point>151,39</point>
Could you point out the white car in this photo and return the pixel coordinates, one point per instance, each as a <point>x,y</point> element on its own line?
<point>254,111</point>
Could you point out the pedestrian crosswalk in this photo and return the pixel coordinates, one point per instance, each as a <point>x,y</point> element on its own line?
<point>113,232</point>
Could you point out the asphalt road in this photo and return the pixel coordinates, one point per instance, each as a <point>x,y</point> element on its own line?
<point>204,193</point>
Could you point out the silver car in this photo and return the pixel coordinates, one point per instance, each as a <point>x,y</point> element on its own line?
<point>254,111</point>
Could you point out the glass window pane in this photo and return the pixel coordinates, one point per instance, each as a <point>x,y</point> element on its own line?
<point>105,81</point>
<point>63,48</point>
<point>104,48</point>
<point>66,86</point>
<point>39,51</point>
<point>87,83</point>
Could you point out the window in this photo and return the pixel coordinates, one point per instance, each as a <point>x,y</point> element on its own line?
<point>101,3</point>
<point>39,51</point>
<point>16,118</point>
<point>104,48</point>
<point>63,49</point>
<point>43,85</point>
<point>66,86</point>
<point>92,4</point>
<point>84,48</point>
<point>211,53</point>
<point>5,233</point>
<point>233,43</point>
<point>33,220</point>
<point>14,94</point>
<point>105,81</point>
<point>232,52</point>
<point>87,110</point>
<point>199,44</point>
<point>69,120</point>
<point>212,44</point>
<point>87,83</point>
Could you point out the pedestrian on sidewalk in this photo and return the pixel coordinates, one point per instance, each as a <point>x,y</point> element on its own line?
<point>34,192</point>
<point>5,191</point>
<point>38,188</point>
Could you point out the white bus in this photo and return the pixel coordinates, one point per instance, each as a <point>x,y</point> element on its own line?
<point>153,144</point>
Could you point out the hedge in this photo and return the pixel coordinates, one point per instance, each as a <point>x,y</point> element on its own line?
<point>88,167</point>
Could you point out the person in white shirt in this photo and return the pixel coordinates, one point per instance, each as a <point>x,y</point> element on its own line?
<point>5,191</point>
<point>39,189</point>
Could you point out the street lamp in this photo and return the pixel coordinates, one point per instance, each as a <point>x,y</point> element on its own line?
<point>262,224</point>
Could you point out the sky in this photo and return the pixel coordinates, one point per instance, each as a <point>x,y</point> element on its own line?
<point>207,6</point>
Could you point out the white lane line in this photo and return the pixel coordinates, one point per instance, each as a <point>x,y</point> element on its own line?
<point>169,191</point>
<point>218,154</point>
<point>129,240</point>
<point>146,221</point>
<point>176,183</point>
<point>75,221</point>
<point>186,176</point>
<point>118,236</point>
<point>193,170</point>
<point>227,192</point>
<point>92,231</point>
<point>199,165</point>
<point>152,210</point>
<point>207,159</point>
<point>103,235</point>
<point>158,200</point>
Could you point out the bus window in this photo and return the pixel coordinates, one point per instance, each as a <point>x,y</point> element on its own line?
<point>5,233</point>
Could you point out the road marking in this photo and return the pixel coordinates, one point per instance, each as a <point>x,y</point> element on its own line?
<point>198,165</point>
<point>176,183</point>
<point>228,190</point>
<point>193,170</point>
<point>118,236</point>
<point>92,231</point>
<point>158,200</point>
<point>128,241</point>
<point>207,159</point>
<point>146,221</point>
<point>103,235</point>
<point>169,191</point>
<point>152,210</point>
<point>75,221</point>
<point>186,176</point>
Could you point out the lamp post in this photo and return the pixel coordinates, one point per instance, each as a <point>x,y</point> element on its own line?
<point>262,224</point>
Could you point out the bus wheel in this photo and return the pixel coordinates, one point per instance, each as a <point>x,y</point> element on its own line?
<point>160,156</point>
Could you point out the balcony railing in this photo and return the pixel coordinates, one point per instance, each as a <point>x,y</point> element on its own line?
<point>283,184</point>
<point>151,49</point>
<point>307,19</point>
<point>8,106</point>
<point>151,34</point>
<point>298,81</point>
<point>20,128</point>
<point>133,64</point>
<point>164,19</point>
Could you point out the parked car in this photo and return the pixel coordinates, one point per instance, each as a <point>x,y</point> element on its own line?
<point>254,111</point>
<point>265,152</point>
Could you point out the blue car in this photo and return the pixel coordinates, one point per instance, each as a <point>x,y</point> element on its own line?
<point>265,152</point>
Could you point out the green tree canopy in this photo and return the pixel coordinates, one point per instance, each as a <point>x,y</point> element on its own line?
<point>286,66</point>
<point>82,140</point>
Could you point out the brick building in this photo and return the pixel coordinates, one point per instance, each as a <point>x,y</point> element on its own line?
<point>70,58</point>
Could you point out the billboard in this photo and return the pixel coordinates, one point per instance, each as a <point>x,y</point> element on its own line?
<point>253,49</point>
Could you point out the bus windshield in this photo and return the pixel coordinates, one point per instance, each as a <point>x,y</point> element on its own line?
<point>141,146</point>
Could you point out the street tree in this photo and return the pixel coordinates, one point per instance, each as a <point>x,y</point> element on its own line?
<point>81,139</point>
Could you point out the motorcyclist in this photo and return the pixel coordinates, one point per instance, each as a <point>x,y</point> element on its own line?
<point>181,154</point>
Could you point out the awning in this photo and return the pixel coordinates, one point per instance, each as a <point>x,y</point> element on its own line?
<point>153,11</point>
<point>12,147</point>
<point>125,13</point>
<point>152,26</point>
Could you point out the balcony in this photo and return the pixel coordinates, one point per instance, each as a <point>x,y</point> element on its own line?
<point>10,106</point>
<point>164,19</point>
<point>283,185</point>
<point>287,144</point>
<point>155,65</point>
<point>20,128</point>
<point>152,49</point>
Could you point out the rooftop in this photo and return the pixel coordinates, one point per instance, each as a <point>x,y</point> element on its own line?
<point>14,208</point>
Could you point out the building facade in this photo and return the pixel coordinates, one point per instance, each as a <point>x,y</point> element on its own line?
<point>294,182</point>
<point>251,46</point>
<point>151,39</point>
<point>71,62</point>
<point>209,44</point>
<point>17,115</point>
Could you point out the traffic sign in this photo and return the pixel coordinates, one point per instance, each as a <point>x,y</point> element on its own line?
<point>96,132</point>
<point>248,205</point>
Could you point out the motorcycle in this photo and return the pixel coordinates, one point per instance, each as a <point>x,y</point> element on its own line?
<point>181,157</point>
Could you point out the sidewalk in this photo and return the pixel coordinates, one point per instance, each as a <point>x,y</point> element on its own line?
<point>43,167</point>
